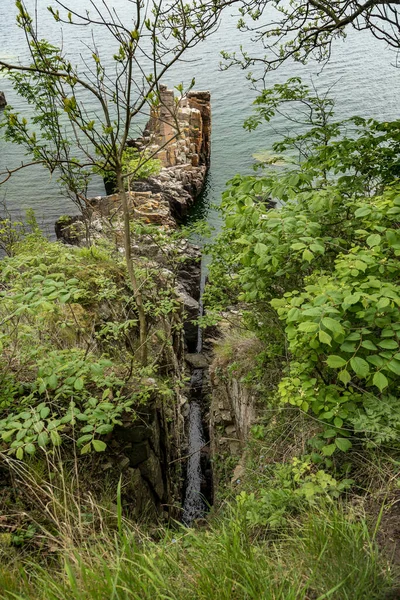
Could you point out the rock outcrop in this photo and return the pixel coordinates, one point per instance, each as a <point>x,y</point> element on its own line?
<point>234,406</point>
<point>178,134</point>
<point>148,451</point>
<point>3,101</point>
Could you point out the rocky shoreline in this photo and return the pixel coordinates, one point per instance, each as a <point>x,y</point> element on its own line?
<point>178,134</point>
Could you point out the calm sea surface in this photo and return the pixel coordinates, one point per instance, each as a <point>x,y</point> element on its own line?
<point>360,71</point>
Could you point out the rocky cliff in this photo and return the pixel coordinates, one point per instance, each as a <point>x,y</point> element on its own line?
<point>148,451</point>
<point>178,135</point>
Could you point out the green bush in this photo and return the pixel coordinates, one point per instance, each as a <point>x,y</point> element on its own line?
<point>325,263</point>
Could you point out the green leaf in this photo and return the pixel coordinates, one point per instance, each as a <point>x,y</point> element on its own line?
<point>383,303</point>
<point>84,438</point>
<point>352,299</point>
<point>376,360</point>
<point>38,426</point>
<point>7,435</point>
<point>87,428</point>
<point>103,429</point>
<point>30,449</point>
<point>20,453</point>
<point>55,438</point>
<point>260,249</point>
<point>359,366</point>
<point>335,362</point>
<point>388,332</point>
<point>52,381</point>
<point>373,240</point>
<point>308,326</point>
<point>368,345</point>
<point>329,433</point>
<point>388,344</point>
<point>85,449</point>
<point>338,422</point>
<point>332,325</point>
<point>344,377</point>
<point>380,380</point>
<point>98,445</point>
<point>78,383</point>
<point>362,212</point>
<point>329,450</point>
<point>44,412</point>
<point>343,444</point>
<point>43,439</point>
<point>394,366</point>
<point>353,336</point>
<point>324,337</point>
<point>307,255</point>
<point>348,347</point>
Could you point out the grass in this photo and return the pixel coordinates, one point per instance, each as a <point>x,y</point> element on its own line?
<point>325,555</point>
<point>327,551</point>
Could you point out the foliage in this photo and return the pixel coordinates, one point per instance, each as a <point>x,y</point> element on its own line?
<point>292,487</point>
<point>69,338</point>
<point>325,262</point>
<point>304,29</point>
<point>12,232</point>
<point>326,555</point>
<point>140,165</point>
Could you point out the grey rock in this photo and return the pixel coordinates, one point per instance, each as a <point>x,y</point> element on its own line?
<point>151,471</point>
<point>138,454</point>
<point>135,434</point>
<point>197,361</point>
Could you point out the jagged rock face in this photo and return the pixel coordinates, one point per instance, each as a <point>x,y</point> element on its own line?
<point>180,135</point>
<point>145,449</point>
<point>181,132</point>
<point>148,451</point>
<point>233,411</point>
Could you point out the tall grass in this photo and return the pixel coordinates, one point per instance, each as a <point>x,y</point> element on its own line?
<point>324,556</point>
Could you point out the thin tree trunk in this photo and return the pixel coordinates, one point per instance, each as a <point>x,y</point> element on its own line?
<point>131,272</point>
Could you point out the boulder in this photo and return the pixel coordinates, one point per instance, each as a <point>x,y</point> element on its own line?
<point>197,361</point>
<point>3,101</point>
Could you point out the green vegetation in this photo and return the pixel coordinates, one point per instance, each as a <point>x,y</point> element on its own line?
<point>69,335</point>
<point>308,257</point>
<point>319,275</point>
<point>309,253</point>
<point>324,555</point>
<point>316,339</point>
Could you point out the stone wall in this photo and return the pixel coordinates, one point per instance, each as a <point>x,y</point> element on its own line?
<point>233,411</point>
<point>147,453</point>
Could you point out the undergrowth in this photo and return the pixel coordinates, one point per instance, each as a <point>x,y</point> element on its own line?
<point>323,555</point>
